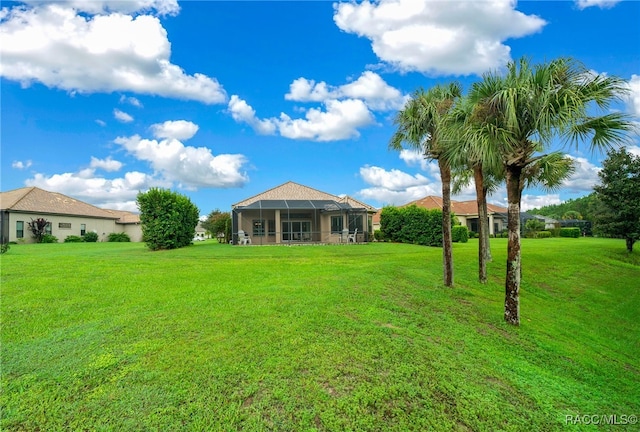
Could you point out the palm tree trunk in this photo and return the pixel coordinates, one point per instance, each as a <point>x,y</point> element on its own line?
<point>512,284</point>
<point>483,226</point>
<point>447,254</point>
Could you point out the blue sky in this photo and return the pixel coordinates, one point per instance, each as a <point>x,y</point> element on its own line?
<point>222,100</point>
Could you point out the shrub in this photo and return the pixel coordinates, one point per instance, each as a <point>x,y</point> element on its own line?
<point>119,237</point>
<point>168,219</point>
<point>573,232</point>
<point>460,234</point>
<point>73,239</point>
<point>544,234</point>
<point>473,234</point>
<point>4,248</point>
<point>377,235</point>
<point>90,237</point>
<point>411,224</point>
<point>48,238</point>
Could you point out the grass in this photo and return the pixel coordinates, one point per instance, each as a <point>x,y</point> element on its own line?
<point>110,336</point>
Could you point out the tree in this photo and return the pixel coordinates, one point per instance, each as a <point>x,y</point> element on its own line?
<point>532,226</point>
<point>420,124</point>
<point>619,194</point>
<point>168,219</point>
<point>38,228</point>
<point>522,113</point>
<point>217,223</point>
<point>571,214</point>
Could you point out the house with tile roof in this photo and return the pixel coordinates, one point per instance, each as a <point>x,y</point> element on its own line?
<point>467,212</point>
<point>293,213</point>
<point>66,216</point>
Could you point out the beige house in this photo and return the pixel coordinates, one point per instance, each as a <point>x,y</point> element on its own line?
<point>292,214</point>
<point>66,216</point>
<point>467,213</point>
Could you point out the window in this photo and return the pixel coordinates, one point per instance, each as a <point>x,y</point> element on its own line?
<point>19,229</point>
<point>258,227</point>
<point>336,224</point>
<point>83,229</point>
<point>271,227</point>
<point>47,229</point>
<point>64,225</point>
<point>355,221</point>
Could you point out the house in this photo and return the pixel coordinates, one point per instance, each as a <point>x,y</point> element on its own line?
<point>292,213</point>
<point>66,216</point>
<point>467,213</point>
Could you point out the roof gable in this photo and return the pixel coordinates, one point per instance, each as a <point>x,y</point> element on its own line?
<point>462,208</point>
<point>288,191</point>
<point>36,200</point>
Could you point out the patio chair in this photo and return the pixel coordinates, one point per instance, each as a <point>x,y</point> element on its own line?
<point>243,238</point>
<point>352,237</point>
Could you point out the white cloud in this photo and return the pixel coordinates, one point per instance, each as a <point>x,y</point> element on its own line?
<point>603,4</point>
<point>634,150</point>
<point>54,45</point>
<point>395,180</point>
<point>179,129</point>
<point>244,113</point>
<point>131,101</point>
<point>122,116</point>
<point>529,202</point>
<point>119,193</point>
<point>633,101</point>
<point>369,87</point>
<point>190,167</point>
<point>416,158</point>
<point>584,177</point>
<point>162,7</point>
<point>432,36</point>
<point>396,187</point>
<point>21,165</point>
<point>107,164</point>
<point>341,120</point>
<point>101,122</point>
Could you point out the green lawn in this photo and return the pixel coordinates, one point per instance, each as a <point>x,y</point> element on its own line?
<point>111,336</point>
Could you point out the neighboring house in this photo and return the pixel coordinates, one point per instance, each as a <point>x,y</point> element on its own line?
<point>201,233</point>
<point>549,223</point>
<point>467,213</point>
<point>292,213</point>
<point>66,216</point>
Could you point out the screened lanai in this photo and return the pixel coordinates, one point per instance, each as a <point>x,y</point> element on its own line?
<point>283,221</point>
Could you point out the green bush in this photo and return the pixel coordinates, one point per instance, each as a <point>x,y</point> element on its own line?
<point>168,219</point>
<point>119,237</point>
<point>73,239</point>
<point>573,232</point>
<point>460,234</point>
<point>90,237</point>
<point>377,235</point>
<point>544,234</point>
<point>48,238</point>
<point>4,248</point>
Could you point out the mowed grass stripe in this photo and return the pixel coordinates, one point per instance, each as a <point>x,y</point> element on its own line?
<point>361,337</point>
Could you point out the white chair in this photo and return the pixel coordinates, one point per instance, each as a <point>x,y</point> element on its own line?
<point>243,238</point>
<point>344,237</point>
<point>352,237</point>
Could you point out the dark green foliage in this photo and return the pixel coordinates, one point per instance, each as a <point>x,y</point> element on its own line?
<point>377,235</point>
<point>460,234</point>
<point>570,232</point>
<point>619,195</point>
<point>4,248</point>
<point>73,239</point>
<point>168,219</point>
<point>119,237</point>
<point>38,228</point>
<point>48,238</point>
<point>532,228</point>
<point>585,207</point>
<point>218,223</point>
<point>90,237</point>
<point>544,234</point>
<point>411,224</point>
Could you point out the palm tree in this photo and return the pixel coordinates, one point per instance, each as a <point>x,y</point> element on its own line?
<point>522,114</point>
<point>420,125</point>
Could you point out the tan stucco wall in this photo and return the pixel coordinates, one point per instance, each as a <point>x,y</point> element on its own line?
<point>103,227</point>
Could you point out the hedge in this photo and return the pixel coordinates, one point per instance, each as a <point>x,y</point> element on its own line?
<point>460,233</point>
<point>570,232</point>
